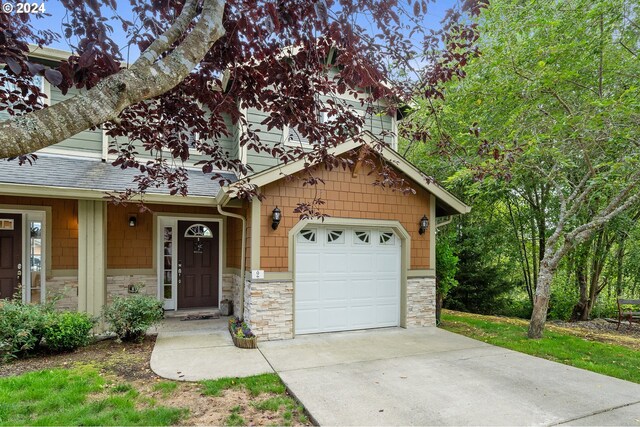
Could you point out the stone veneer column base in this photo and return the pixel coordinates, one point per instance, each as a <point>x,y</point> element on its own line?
<point>231,291</point>
<point>64,290</point>
<point>421,302</point>
<point>268,308</point>
<point>119,285</point>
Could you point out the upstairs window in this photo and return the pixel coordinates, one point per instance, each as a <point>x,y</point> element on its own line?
<point>8,86</point>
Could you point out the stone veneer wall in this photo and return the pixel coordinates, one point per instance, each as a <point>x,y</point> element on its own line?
<point>66,288</point>
<point>421,302</point>
<point>231,290</point>
<point>119,285</point>
<point>227,287</point>
<point>268,308</point>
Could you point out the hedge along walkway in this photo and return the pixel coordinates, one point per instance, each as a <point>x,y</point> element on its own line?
<point>196,350</point>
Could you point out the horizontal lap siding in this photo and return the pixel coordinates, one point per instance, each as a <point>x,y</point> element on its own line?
<point>227,143</point>
<point>261,161</point>
<point>345,197</point>
<point>374,123</point>
<point>87,142</point>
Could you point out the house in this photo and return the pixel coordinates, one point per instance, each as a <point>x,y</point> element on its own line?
<point>369,264</point>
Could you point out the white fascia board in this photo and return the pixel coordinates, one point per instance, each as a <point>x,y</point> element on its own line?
<point>273,174</point>
<point>416,175</point>
<point>48,53</point>
<point>277,172</point>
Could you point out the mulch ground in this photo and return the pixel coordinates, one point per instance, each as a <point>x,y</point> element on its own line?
<point>593,330</point>
<point>627,335</point>
<point>129,361</point>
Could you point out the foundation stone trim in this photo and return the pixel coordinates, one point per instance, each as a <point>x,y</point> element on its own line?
<point>421,302</point>
<point>268,308</point>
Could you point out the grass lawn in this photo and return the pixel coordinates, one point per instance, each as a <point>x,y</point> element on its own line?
<point>560,346</point>
<point>267,394</point>
<point>78,396</point>
<point>110,383</point>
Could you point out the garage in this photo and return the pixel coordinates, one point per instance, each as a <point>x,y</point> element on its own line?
<point>346,279</point>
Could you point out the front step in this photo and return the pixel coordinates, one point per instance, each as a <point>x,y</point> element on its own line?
<point>193,312</point>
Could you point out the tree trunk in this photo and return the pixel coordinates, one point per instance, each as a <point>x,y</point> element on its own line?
<point>580,309</point>
<point>548,267</point>
<point>538,316</point>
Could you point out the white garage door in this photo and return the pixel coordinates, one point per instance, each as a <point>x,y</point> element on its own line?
<point>346,279</point>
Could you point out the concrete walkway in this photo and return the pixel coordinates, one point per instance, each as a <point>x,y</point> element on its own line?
<point>195,350</point>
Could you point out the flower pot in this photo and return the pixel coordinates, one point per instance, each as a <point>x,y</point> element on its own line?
<point>245,342</point>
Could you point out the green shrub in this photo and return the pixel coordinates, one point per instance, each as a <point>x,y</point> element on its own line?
<point>131,317</point>
<point>21,328</point>
<point>66,331</point>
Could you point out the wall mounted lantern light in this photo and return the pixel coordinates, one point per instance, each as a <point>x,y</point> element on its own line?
<point>133,220</point>
<point>424,224</point>
<point>275,218</point>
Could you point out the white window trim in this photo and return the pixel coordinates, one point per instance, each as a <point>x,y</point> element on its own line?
<point>27,217</point>
<point>45,88</point>
<point>288,143</point>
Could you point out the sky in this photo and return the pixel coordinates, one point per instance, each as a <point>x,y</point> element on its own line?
<point>57,14</point>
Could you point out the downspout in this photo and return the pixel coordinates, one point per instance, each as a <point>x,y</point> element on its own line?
<point>243,249</point>
<point>445,222</point>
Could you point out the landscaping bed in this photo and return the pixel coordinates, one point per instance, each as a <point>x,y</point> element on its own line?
<point>111,383</point>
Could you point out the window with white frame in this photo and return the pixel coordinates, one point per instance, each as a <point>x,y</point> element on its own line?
<point>38,81</point>
<point>34,253</point>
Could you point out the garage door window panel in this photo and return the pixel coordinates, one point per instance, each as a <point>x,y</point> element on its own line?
<point>307,236</point>
<point>362,237</point>
<point>335,237</point>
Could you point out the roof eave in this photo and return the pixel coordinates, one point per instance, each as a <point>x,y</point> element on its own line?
<point>277,172</point>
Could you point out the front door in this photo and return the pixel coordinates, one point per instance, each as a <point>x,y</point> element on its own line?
<point>10,254</point>
<point>198,264</point>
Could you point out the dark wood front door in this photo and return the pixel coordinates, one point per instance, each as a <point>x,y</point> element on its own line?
<point>10,254</point>
<point>198,264</point>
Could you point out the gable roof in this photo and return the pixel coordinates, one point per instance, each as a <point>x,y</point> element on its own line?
<point>447,203</point>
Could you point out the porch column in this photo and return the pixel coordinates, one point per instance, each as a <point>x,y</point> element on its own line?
<point>92,255</point>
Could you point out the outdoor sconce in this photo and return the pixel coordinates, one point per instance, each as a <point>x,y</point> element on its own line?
<point>133,220</point>
<point>275,218</point>
<point>424,224</point>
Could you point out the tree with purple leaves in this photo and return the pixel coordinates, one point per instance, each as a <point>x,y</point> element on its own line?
<point>202,61</point>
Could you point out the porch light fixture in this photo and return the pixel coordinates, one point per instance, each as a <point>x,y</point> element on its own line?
<point>133,220</point>
<point>275,218</point>
<point>424,224</point>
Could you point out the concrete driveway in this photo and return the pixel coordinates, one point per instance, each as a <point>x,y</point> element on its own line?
<point>428,376</point>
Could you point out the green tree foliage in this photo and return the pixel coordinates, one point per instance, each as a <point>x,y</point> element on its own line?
<point>446,267</point>
<point>547,122</point>
<point>482,280</point>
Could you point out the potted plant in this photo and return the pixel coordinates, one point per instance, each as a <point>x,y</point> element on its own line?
<point>241,334</point>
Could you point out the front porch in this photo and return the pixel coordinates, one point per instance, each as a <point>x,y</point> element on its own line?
<point>89,251</point>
